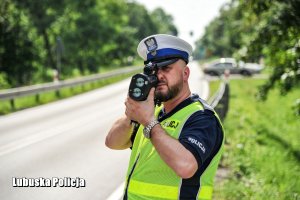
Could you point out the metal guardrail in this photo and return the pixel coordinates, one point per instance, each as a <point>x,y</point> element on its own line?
<point>39,88</point>
<point>220,100</point>
<point>12,94</point>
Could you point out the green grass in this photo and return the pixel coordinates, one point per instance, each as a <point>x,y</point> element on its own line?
<point>43,98</point>
<point>262,149</point>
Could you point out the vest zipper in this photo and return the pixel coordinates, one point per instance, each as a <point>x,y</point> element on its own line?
<point>129,176</point>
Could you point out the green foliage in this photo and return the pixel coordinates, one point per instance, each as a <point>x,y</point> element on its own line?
<point>16,56</point>
<point>262,147</point>
<point>277,39</point>
<point>167,27</point>
<point>258,30</point>
<point>296,107</point>
<point>140,21</point>
<point>71,36</point>
<point>222,36</point>
<point>3,81</point>
<point>42,14</point>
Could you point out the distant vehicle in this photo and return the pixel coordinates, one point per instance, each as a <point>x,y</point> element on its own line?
<point>218,67</point>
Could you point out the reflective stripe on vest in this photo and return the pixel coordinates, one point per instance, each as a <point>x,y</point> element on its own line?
<point>163,191</point>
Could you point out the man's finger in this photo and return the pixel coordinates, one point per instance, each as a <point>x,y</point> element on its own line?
<point>151,94</point>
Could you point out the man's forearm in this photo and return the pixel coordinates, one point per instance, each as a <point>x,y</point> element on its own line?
<point>119,134</point>
<point>173,153</point>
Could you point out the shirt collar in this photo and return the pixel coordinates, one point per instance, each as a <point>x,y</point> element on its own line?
<point>162,115</point>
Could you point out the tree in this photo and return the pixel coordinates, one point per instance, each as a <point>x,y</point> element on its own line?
<point>255,29</point>
<point>276,37</point>
<point>222,37</point>
<point>42,14</point>
<point>140,21</point>
<point>164,22</point>
<point>93,33</point>
<point>17,51</point>
<point>96,33</point>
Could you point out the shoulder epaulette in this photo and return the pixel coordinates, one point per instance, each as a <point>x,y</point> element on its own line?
<point>205,105</point>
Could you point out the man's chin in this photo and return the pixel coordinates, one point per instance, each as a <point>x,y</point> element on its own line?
<point>160,95</point>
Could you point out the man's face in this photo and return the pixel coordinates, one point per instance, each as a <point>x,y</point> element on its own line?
<point>171,80</point>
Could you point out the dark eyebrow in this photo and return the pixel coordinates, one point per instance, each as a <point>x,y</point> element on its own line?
<point>165,67</point>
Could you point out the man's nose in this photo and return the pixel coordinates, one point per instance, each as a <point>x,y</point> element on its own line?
<point>159,74</point>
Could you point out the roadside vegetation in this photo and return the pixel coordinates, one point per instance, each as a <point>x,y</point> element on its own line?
<point>72,38</point>
<point>266,32</point>
<point>262,149</point>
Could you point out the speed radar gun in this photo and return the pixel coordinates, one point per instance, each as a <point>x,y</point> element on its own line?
<point>142,83</point>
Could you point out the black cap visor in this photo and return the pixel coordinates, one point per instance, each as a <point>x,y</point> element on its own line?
<point>163,63</point>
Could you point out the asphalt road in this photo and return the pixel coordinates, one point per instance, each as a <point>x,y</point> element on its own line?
<point>66,139</point>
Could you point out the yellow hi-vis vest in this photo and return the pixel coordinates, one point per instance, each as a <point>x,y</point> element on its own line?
<point>150,178</point>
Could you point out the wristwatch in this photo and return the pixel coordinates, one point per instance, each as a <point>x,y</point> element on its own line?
<point>148,128</point>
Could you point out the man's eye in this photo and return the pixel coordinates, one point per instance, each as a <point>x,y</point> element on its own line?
<point>165,68</point>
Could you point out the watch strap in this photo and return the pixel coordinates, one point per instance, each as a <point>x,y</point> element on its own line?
<point>148,128</point>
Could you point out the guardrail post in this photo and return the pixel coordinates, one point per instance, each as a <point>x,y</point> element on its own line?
<point>220,100</point>
<point>37,98</point>
<point>72,89</point>
<point>12,104</point>
<point>57,93</point>
<point>93,84</point>
<point>226,103</point>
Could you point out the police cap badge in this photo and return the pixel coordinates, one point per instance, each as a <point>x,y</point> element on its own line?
<point>151,45</point>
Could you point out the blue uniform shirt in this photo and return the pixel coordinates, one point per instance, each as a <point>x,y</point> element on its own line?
<point>202,133</point>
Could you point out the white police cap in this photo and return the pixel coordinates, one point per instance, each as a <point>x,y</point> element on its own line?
<point>162,47</point>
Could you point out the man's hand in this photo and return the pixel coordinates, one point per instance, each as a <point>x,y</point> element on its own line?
<point>141,111</point>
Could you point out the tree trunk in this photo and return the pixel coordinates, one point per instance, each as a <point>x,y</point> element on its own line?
<point>48,48</point>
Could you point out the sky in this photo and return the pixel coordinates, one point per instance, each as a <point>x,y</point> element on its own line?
<point>188,15</point>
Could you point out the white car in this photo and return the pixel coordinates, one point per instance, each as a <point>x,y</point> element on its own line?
<point>218,67</point>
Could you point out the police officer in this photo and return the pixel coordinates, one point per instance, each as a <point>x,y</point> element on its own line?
<point>178,145</point>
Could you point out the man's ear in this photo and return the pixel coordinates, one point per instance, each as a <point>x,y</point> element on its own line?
<point>186,73</point>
